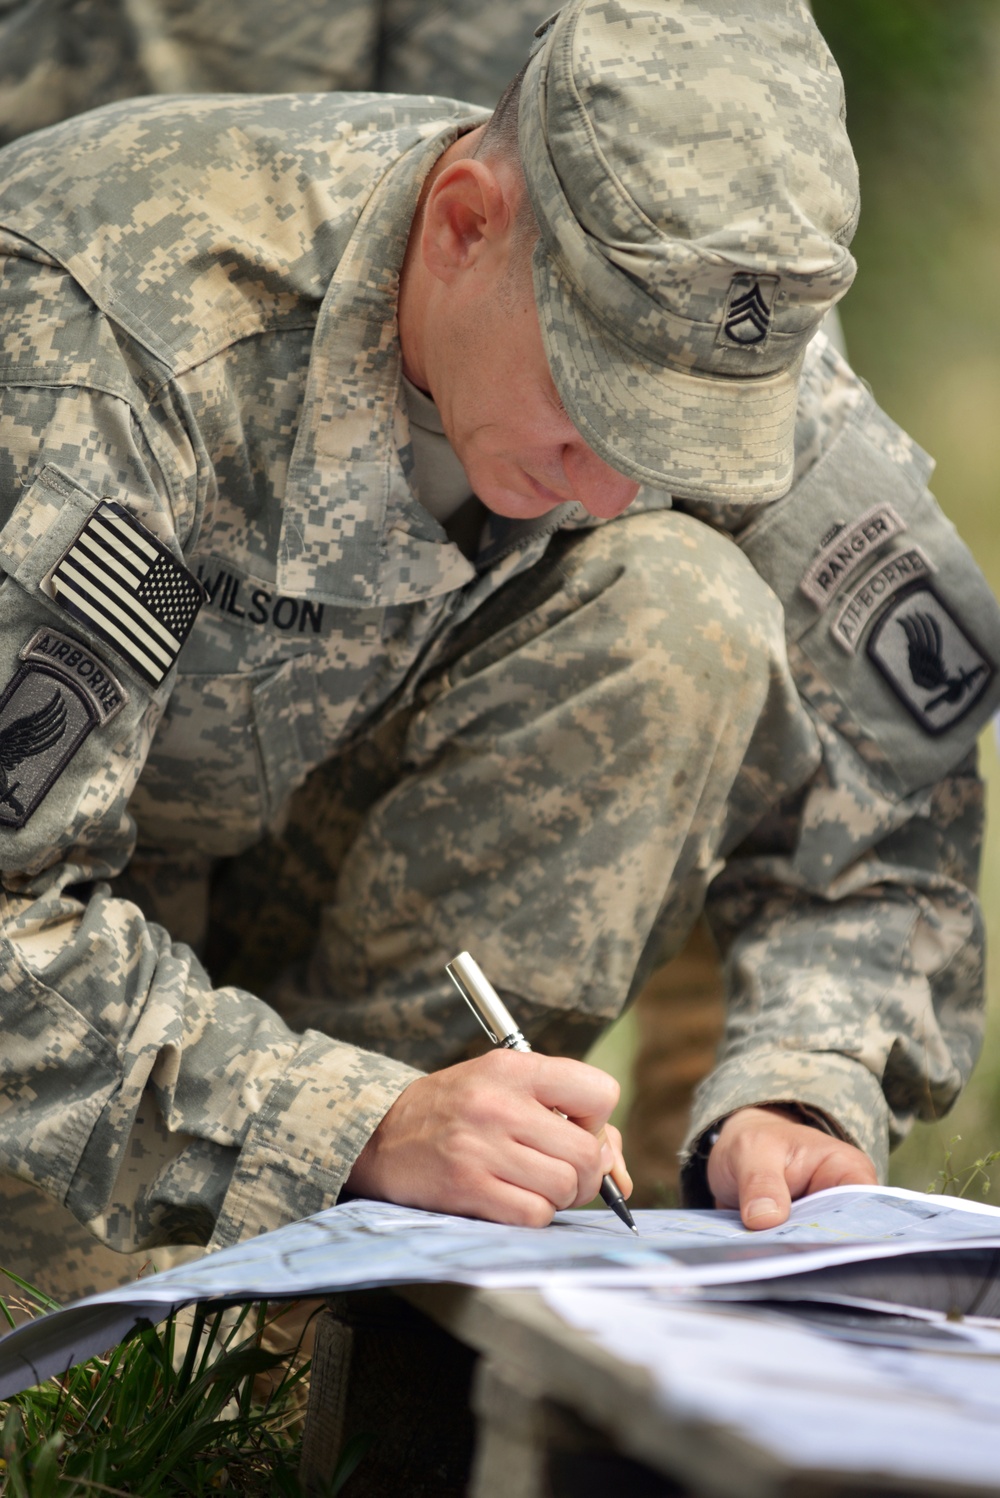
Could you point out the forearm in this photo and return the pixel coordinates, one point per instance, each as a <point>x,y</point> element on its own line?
<point>861,1000</point>
<point>156,1107</point>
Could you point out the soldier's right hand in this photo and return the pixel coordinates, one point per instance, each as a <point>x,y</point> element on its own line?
<point>481,1139</point>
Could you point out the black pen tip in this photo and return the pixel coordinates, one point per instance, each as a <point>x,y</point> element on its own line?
<point>611,1195</point>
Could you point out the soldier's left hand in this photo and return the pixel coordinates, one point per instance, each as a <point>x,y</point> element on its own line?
<point>763,1160</point>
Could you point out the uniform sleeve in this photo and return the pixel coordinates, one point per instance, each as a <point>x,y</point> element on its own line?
<point>156,1107</point>
<point>848,917</point>
<point>860,997</point>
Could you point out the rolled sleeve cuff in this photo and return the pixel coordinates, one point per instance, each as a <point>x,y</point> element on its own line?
<point>842,1091</point>
<point>302,1145</point>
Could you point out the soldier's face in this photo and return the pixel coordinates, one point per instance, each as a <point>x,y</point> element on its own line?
<point>502,413</point>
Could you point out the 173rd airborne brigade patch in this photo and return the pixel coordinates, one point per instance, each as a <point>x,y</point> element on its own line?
<point>931,661</point>
<point>59,693</point>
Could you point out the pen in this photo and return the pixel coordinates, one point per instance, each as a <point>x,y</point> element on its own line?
<point>495,1018</point>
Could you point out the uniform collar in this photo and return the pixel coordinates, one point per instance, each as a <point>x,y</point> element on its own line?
<point>352,531</point>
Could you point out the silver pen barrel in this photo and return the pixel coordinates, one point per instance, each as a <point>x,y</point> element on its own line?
<point>485,1003</point>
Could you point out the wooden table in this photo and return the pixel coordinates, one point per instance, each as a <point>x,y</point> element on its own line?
<point>487,1393</point>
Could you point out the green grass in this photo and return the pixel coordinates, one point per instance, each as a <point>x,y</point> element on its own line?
<point>169,1412</point>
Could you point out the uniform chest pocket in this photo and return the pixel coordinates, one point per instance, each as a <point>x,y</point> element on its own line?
<point>893,632</point>
<point>227,756</point>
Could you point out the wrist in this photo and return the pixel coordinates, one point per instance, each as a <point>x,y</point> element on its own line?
<point>695,1190</point>
<point>798,1113</point>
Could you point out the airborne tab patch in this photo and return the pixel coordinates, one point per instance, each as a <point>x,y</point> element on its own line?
<point>899,572</point>
<point>47,709</point>
<point>931,662</point>
<point>127,587</point>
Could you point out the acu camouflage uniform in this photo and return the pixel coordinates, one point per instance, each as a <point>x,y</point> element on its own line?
<point>561,749</point>
<point>61,57</point>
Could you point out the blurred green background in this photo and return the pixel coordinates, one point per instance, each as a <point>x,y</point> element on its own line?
<point>922,325</point>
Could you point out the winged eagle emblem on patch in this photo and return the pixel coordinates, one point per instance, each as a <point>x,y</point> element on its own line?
<point>31,734</point>
<point>925,656</point>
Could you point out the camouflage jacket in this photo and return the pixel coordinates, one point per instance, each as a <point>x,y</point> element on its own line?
<point>200,372</point>
<point>57,60</point>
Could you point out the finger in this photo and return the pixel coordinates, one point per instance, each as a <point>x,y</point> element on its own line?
<point>517,1207</point>
<point>560,1139</point>
<point>479,1181</point>
<point>618,1170</point>
<point>497,1200</point>
<point>843,1165</point>
<point>545,1172</point>
<point>765,1203</point>
<point>581,1092</point>
<point>544,1175</point>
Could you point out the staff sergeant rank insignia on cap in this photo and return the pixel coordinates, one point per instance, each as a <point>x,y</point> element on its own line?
<point>47,709</point>
<point>747,318</point>
<point>931,662</point>
<point>127,587</point>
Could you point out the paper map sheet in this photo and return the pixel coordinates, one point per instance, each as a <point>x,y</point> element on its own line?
<point>858,1395</point>
<point>363,1245</point>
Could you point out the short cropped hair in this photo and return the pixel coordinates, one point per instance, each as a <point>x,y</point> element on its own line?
<point>500,135</point>
<point>500,139</point>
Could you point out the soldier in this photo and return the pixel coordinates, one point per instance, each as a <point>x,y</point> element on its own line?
<point>58,59</point>
<point>322,430</point>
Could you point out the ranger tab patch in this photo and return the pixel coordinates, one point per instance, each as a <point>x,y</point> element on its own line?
<point>127,587</point>
<point>59,693</point>
<point>849,549</point>
<point>934,666</point>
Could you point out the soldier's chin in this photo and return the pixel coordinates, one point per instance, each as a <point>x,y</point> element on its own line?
<point>523,503</point>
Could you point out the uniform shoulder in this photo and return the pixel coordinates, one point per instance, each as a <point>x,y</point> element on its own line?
<point>833,397</point>
<point>192,221</point>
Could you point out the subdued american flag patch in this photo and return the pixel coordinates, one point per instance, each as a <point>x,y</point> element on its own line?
<point>122,582</point>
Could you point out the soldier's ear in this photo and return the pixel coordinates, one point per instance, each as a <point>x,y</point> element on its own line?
<point>467,216</point>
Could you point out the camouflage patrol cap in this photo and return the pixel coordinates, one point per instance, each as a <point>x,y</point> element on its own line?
<point>695,190</point>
